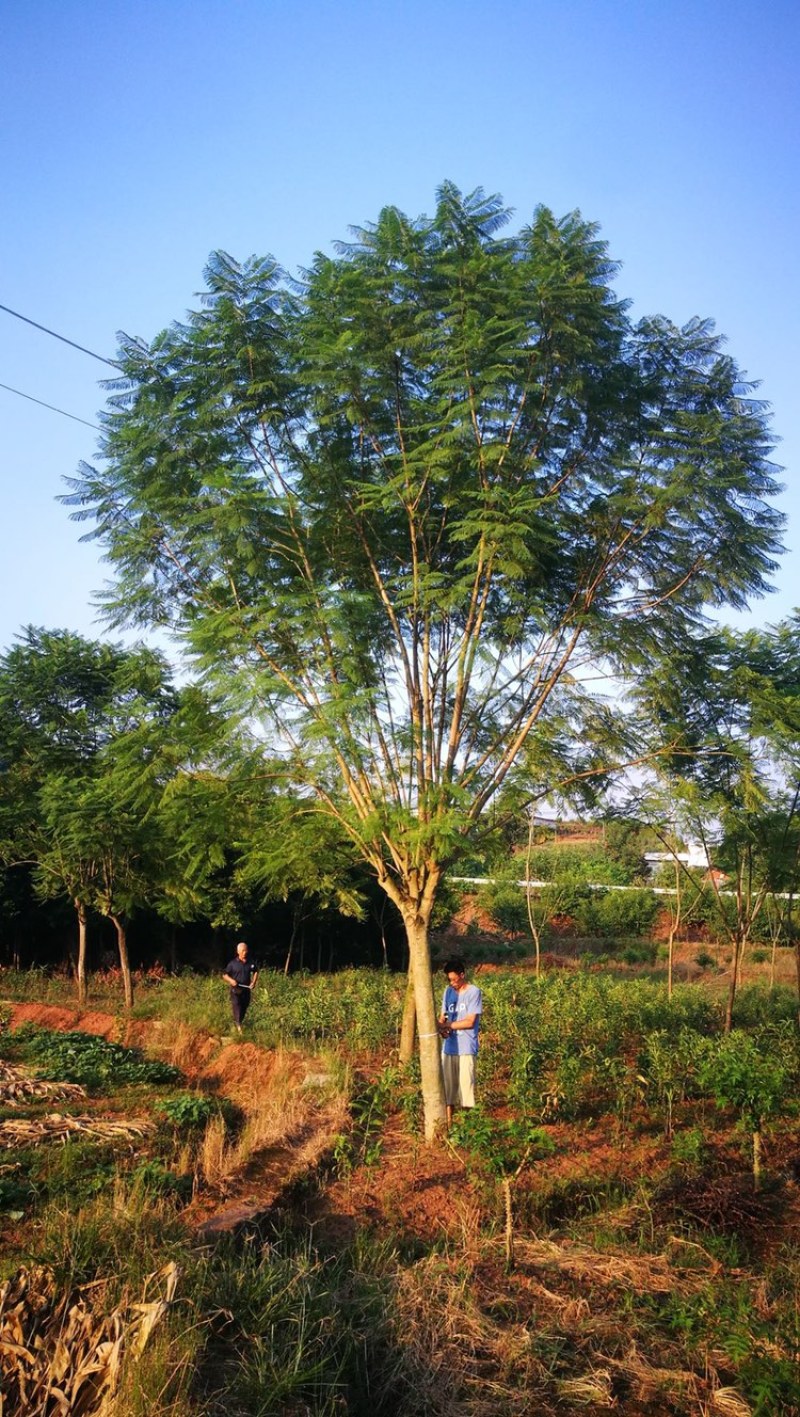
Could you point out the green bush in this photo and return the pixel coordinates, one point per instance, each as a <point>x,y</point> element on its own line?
<point>610,914</point>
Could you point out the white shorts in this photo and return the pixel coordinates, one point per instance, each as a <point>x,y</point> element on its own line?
<point>459,1079</point>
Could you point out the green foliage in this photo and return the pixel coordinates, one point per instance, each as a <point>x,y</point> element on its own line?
<point>153,1176</point>
<point>503,1145</point>
<point>747,1073</point>
<point>616,913</point>
<point>689,1149</point>
<point>188,1109</point>
<point>370,1105</point>
<point>86,1059</point>
<point>582,864</point>
<point>560,1036</point>
<point>505,902</point>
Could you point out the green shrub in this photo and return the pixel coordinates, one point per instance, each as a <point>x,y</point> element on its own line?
<point>610,914</point>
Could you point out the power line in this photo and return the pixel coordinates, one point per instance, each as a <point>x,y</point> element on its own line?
<point>64,340</point>
<point>52,406</point>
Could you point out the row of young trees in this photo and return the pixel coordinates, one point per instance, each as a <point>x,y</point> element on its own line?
<point>121,792</point>
<point>404,510</point>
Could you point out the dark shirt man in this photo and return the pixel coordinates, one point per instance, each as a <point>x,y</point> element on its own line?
<point>241,975</point>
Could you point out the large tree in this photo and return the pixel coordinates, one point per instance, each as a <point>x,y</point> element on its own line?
<point>400,503</point>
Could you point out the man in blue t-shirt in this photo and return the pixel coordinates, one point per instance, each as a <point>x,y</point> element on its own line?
<point>241,975</point>
<point>459,1022</point>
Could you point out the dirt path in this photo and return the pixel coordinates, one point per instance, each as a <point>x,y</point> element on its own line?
<point>291,1114</point>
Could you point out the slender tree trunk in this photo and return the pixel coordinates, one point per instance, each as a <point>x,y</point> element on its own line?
<point>82,990</point>
<point>735,962</point>
<point>429,1041</point>
<point>408,1028</point>
<point>757,1160</point>
<point>772,962</point>
<point>292,938</point>
<point>674,926</point>
<point>124,961</point>
<point>509,1226</point>
<point>533,929</point>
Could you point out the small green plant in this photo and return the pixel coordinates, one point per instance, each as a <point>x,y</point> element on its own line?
<point>188,1109</point>
<point>369,1107</point>
<point>156,1179</point>
<point>504,1146</point>
<point>689,1149</point>
<point>751,1078</point>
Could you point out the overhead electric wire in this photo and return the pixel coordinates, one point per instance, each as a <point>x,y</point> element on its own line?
<point>52,407</point>
<point>73,343</point>
<point>63,338</point>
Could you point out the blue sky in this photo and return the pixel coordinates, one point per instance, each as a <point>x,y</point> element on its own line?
<point>136,139</point>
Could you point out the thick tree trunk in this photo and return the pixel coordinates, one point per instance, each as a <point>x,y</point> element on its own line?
<point>429,1041</point>
<point>82,990</point>
<point>124,962</point>
<point>408,1028</point>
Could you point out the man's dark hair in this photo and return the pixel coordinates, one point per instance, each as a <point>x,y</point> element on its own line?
<point>454,965</point>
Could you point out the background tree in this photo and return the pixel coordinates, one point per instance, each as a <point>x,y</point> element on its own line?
<point>91,737</point>
<point>397,508</point>
<point>729,707</point>
<point>289,850</point>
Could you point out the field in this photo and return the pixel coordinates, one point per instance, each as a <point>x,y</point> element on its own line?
<point>192,1224</point>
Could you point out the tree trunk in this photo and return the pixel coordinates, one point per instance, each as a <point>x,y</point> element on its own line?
<point>737,954</point>
<point>290,950</point>
<point>533,928</point>
<point>429,1041</point>
<point>408,1028</point>
<point>124,962</point>
<point>773,953</point>
<point>674,926</point>
<point>509,1226</point>
<point>756,1160</point>
<point>82,990</point>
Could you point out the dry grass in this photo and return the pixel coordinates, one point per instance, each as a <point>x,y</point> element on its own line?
<point>592,1389</point>
<point>457,1358</point>
<point>213,1153</point>
<point>726,1402</point>
<point>650,1274</point>
<point>280,1113</point>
